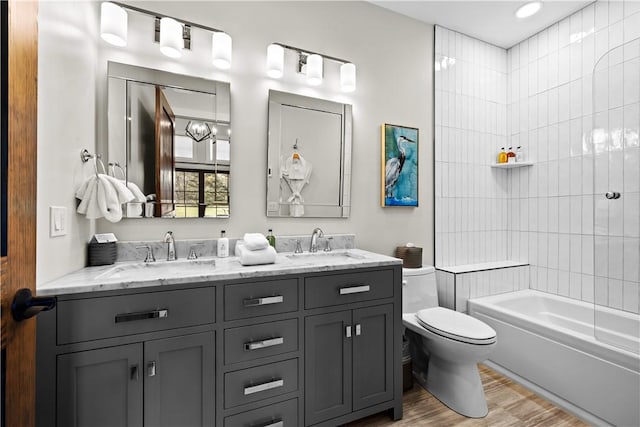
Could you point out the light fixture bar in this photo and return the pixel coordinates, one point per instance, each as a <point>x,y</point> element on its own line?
<point>308,52</point>
<point>159,15</point>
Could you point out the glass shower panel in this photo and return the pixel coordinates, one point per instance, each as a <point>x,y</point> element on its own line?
<point>616,196</point>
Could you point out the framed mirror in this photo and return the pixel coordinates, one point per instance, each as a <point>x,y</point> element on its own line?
<point>169,138</point>
<point>309,157</point>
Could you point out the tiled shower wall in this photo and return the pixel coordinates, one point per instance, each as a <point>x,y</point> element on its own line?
<point>551,204</point>
<point>470,125</point>
<point>544,214</point>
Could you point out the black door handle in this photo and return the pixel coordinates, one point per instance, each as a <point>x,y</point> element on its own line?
<point>25,305</point>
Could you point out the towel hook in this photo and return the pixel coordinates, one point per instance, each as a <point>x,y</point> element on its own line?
<point>85,156</point>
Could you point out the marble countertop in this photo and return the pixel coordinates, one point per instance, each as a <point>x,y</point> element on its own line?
<point>130,275</point>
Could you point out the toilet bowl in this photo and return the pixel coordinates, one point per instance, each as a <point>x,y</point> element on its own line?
<point>447,345</point>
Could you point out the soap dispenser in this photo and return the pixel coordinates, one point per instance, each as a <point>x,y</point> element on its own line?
<point>223,245</point>
<point>511,156</point>
<point>502,156</point>
<point>271,238</point>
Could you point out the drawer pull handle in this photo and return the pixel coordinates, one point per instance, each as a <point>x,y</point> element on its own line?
<point>255,345</point>
<point>263,387</point>
<point>355,290</point>
<point>253,302</point>
<point>274,423</point>
<point>143,315</point>
<point>358,329</point>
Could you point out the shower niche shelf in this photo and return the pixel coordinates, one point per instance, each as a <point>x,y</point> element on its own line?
<point>511,165</point>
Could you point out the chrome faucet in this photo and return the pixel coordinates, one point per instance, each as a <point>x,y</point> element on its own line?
<point>314,239</point>
<point>171,246</point>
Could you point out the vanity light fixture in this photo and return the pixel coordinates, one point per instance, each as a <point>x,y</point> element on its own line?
<point>528,9</point>
<point>310,64</point>
<point>113,24</point>
<point>173,35</point>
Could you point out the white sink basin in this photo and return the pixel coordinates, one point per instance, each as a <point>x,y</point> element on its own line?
<point>159,269</point>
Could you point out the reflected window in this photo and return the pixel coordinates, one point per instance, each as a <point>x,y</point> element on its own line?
<point>201,194</point>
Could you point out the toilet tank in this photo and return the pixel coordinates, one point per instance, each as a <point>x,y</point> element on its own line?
<point>419,289</point>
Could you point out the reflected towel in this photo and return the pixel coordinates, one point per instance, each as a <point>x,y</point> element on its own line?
<point>138,195</point>
<point>255,241</point>
<point>262,256</point>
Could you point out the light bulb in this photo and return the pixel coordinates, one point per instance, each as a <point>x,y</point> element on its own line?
<point>314,69</point>
<point>275,61</point>
<point>221,50</point>
<point>113,24</point>
<point>171,42</point>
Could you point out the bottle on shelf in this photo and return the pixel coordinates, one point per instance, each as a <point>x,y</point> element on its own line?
<point>511,156</point>
<point>502,156</point>
<point>223,245</point>
<point>519,155</point>
<point>271,238</point>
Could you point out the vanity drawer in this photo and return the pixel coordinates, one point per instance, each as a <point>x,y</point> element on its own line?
<point>260,298</point>
<point>345,288</point>
<point>261,382</point>
<point>107,317</point>
<point>261,340</point>
<point>284,414</point>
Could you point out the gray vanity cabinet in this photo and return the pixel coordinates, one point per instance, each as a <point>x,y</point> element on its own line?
<point>349,361</point>
<point>100,387</point>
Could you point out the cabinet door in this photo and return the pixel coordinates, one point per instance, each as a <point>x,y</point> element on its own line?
<point>372,356</point>
<point>179,381</point>
<point>327,366</point>
<point>100,387</point>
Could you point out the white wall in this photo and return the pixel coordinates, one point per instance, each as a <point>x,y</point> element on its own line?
<point>470,123</point>
<point>394,58</point>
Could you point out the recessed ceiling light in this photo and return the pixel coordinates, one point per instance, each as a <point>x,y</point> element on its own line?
<point>528,9</point>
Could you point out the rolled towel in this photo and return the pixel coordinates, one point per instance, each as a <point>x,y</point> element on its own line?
<point>261,256</point>
<point>255,241</point>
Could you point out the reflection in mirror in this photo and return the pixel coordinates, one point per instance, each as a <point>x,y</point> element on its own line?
<point>169,138</point>
<point>309,157</point>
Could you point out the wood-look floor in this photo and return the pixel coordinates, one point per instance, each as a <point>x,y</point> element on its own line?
<point>509,403</point>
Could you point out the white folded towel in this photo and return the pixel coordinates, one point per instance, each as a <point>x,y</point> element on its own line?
<point>255,241</point>
<point>261,256</point>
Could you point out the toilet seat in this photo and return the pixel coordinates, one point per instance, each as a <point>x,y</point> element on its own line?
<point>456,326</point>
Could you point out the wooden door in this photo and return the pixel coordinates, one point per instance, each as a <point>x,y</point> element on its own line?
<point>100,388</point>
<point>179,381</point>
<point>327,370</point>
<point>19,64</point>
<point>165,157</point>
<point>372,356</point>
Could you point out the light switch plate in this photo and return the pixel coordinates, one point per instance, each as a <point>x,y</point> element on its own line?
<point>57,221</point>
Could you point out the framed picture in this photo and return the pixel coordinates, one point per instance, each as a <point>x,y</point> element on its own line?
<point>399,186</point>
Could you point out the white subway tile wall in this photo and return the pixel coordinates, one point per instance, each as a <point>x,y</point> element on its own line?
<point>582,133</point>
<point>471,125</point>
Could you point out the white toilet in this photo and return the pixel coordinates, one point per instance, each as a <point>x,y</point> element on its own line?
<point>452,342</point>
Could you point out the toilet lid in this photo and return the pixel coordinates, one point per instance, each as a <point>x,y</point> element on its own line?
<point>455,325</point>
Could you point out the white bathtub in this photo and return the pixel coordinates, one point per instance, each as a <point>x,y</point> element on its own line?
<point>547,342</point>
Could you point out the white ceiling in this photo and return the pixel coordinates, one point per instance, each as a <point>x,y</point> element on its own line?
<point>490,21</point>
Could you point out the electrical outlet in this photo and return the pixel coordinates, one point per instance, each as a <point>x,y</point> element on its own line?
<point>57,221</point>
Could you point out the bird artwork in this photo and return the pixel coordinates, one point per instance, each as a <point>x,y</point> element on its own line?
<point>400,170</point>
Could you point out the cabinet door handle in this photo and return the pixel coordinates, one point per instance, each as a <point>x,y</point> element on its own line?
<point>358,329</point>
<point>355,289</point>
<point>263,387</point>
<point>347,331</point>
<point>253,302</point>
<point>255,345</point>
<point>151,369</point>
<point>142,315</point>
<point>274,423</point>
<point>133,373</point>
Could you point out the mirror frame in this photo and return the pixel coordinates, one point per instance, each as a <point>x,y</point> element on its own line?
<point>278,100</point>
